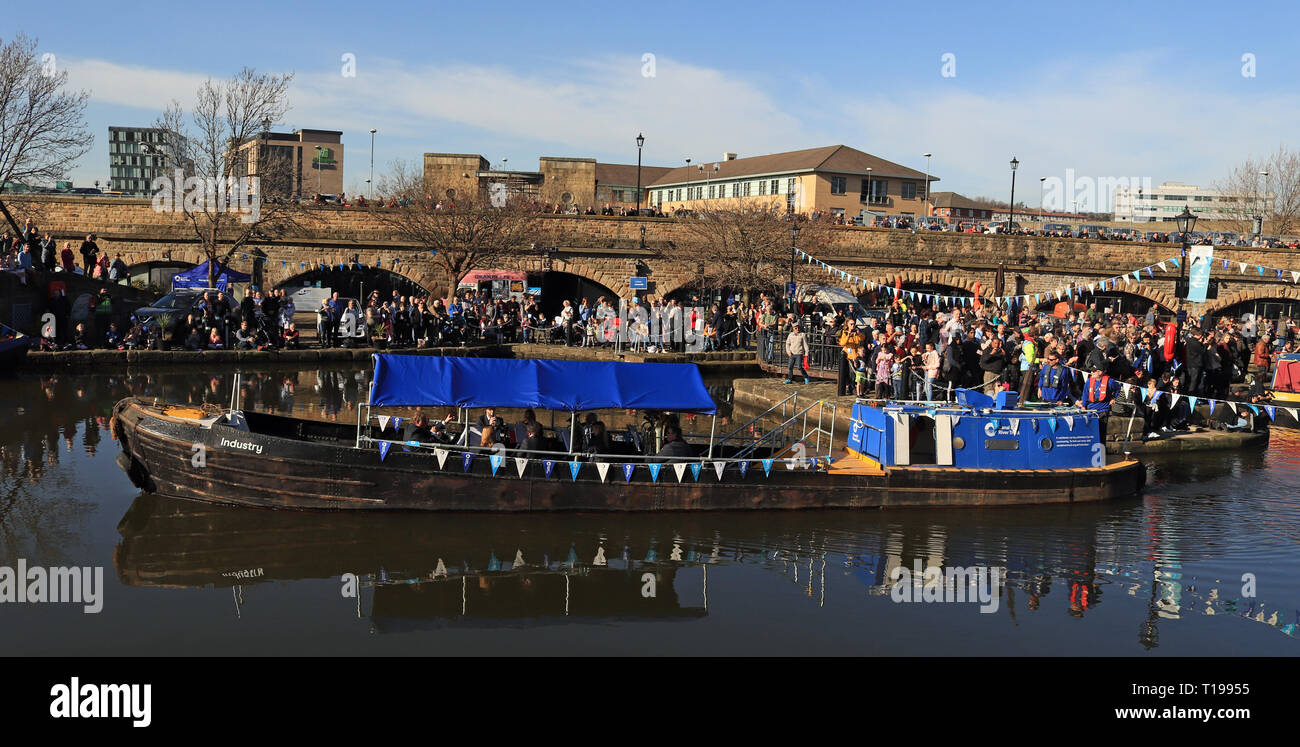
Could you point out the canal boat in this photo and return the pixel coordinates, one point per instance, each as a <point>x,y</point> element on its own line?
<point>971,454</point>
<point>1286,379</point>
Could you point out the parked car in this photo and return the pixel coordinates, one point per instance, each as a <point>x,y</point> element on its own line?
<point>1091,231</point>
<point>172,306</point>
<point>1153,237</point>
<point>1054,229</point>
<point>998,226</point>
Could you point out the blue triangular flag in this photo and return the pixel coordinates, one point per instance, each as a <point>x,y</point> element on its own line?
<point>384,446</point>
<point>695,471</point>
<point>1175,262</point>
<point>1191,402</point>
<point>574,466</point>
<point>654,470</point>
<point>627,472</point>
<point>1253,409</point>
<point>496,460</point>
<point>744,468</point>
<point>467,458</point>
<point>1212,404</point>
<point>1143,392</point>
<point>995,424</point>
<point>397,425</point>
<point>1272,412</point>
<point>548,465</point>
<point>767,467</point>
<point>1051,423</point>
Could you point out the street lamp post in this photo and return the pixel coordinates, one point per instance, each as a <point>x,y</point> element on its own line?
<point>1011,215</point>
<point>870,195</point>
<point>640,141</point>
<point>794,243</point>
<point>689,189</point>
<point>1186,221</point>
<point>927,184</point>
<point>371,180</point>
<point>318,157</point>
<point>1042,181</point>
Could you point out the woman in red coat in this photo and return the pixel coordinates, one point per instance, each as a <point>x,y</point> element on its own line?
<point>67,259</point>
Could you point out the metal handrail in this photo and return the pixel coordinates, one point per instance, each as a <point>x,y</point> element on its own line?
<point>781,429</point>
<point>563,456</point>
<point>756,418</point>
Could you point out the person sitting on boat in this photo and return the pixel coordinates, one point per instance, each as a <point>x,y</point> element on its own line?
<point>532,441</point>
<point>1055,380</point>
<point>674,446</point>
<point>1098,392</point>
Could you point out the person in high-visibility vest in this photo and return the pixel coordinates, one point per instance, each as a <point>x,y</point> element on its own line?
<point>1098,391</point>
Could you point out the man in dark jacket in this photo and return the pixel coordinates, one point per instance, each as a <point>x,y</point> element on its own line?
<point>1194,361</point>
<point>993,361</point>
<point>674,446</point>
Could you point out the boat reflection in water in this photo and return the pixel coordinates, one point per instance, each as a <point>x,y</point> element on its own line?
<point>473,570</point>
<point>420,574</point>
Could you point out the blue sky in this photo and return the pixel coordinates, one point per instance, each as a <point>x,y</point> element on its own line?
<point>1151,90</point>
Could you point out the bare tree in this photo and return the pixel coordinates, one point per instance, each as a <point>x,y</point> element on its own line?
<point>745,246</point>
<point>465,230</point>
<point>205,148</point>
<point>42,126</point>
<point>1268,187</point>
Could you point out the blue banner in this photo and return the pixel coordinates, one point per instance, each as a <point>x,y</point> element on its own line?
<point>1198,273</point>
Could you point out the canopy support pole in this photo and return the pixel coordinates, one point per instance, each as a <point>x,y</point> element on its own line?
<point>712,430</point>
<point>573,429</point>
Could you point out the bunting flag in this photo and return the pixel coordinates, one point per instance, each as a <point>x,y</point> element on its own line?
<point>628,469</point>
<point>519,559</point>
<point>1033,423</point>
<point>1173,399</point>
<point>1292,411</point>
<point>767,468</point>
<point>1015,425</point>
<point>1212,404</point>
<point>1069,422</point>
<point>384,446</point>
<point>680,469</point>
<point>744,468</point>
<point>955,420</point>
<point>1232,406</point>
<point>1051,423</point>
<point>383,422</point>
<point>995,424</point>
<point>521,465</point>
<point>1272,412</point>
<point>574,466</point>
<point>397,424</point>
<point>547,466</point>
<point>1143,393</point>
<point>718,467</point>
<point>1191,402</point>
<point>442,457</point>
<point>495,460</point>
<point>602,469</point>
<point>468,459</point>
<point>600,560</point>
<point>695,470</point>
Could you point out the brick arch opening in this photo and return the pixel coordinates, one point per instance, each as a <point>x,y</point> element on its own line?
<point>1157,298</point>
<point>1272,293</point>
<point>614,278</point>
<point>953,283</point>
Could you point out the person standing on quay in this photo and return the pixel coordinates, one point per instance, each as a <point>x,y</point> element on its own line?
<point>89,250</point>
<point>796,347</point>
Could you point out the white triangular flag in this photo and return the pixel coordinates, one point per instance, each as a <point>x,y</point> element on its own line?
<point>1243,267</point>
<point>1126,387</point>
<point>955,420</point>
<point>442,456</point>
<point>680,469</point>
<point>1293,412</point>
<point>1069,422</point>
<point>1173,399</point>
<point>1162,267</point>
<point>519,559</point>
<point>1233,405</point>
<point>521,464</point>
<point>1092,287</point>
<point>1015,425</point>
<point>441,570</point>
<point>599,560</point>
<point>718,467</point>
<point>383,422</point>
<point>603,469</point>
<point>1295,276</point>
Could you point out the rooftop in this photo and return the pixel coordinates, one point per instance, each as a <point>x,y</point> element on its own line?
<point>839,159</point>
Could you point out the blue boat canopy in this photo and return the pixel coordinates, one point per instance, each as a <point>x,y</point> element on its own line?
<point>418,380</point>
<point>197,277</point>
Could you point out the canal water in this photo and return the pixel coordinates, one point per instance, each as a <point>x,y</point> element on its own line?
<point>1206,562</point>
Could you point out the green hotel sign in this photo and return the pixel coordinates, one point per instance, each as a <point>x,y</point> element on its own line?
<point>323,156</point>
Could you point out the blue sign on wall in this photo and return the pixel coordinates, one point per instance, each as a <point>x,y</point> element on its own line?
<point>639,284</point>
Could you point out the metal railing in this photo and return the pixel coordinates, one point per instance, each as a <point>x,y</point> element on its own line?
<point>780,435</point>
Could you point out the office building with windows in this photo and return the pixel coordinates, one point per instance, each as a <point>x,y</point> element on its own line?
<point>302,162</point>
<point>136,155</point>
<point>1164,203</point>
<point>833,180</point>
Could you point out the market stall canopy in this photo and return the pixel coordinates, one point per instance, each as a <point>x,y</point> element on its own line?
<point>418,380</point>
<point>197,277</point>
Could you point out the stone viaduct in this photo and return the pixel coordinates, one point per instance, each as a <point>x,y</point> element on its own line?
<point>607,250</point>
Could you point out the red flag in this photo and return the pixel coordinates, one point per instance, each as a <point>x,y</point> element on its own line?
<point>977,295</point>
<point>898,286</point>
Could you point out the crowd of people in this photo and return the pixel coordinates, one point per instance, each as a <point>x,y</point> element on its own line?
<point>36,251</point>
<point>1085,358</point>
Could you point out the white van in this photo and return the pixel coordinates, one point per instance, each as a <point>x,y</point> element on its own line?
<point>829,299</point>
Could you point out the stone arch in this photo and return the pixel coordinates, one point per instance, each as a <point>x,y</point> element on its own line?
<point>1155,296</point>
<point>922,277</point>
<point>613,277</point>
<point>1271,292</point>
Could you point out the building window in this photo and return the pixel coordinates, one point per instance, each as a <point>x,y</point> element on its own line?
<point>735,189</point>
<point>909,191</point>
<point>712,191</point>
<point>762,188</point>
<point>776,186</point>
<point>839,185</point>
<point>747,188</point>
